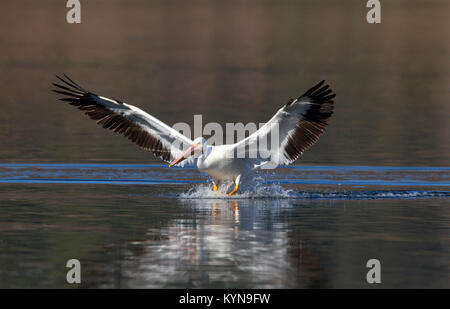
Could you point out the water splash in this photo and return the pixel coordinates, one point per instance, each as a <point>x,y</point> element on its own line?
<point>258,189</point>
<point>272,191</point>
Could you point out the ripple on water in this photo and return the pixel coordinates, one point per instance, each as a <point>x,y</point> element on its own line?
<point>360,182</point>
<point>278,192</point>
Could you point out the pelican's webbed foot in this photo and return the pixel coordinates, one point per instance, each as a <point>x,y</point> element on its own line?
<point>236,187</point>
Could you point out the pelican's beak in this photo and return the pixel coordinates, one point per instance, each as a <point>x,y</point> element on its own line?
<point>185,155</point>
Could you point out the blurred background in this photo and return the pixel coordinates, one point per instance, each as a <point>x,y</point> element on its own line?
<point>231,61</point>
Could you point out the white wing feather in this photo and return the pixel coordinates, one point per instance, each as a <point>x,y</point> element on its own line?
<point>293,129</point>
<point>140,127</point>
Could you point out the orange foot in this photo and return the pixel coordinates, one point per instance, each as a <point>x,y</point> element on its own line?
<point>215,188</point>
<point>236,187</point>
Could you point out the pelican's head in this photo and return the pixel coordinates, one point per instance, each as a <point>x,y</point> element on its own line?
<point>195,149</point>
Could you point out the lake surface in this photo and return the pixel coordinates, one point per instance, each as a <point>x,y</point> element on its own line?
<point>135,226</point>
<point>376,185</point>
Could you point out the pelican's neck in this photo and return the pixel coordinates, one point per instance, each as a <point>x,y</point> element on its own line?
<point>205,153</point>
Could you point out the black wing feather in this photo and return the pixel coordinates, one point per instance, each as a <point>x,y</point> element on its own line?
<point>314,120</point>
<point>90,104</point>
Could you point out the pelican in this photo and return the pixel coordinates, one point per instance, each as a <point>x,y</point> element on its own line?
<point>298,125</point>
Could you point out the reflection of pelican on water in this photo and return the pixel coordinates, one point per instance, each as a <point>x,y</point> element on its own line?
<point>232,205</point>
<point>223,242</point>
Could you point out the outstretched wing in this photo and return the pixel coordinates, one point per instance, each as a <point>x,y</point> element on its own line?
<point>141,128</point>
<point>293,129</point>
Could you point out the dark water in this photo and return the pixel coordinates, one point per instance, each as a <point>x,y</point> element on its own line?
<point>150,226</point>
<point>375,186</point>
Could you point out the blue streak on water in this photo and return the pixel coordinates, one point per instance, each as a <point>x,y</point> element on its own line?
<point>368,168</point>
<point>162,181</point>
<point>364,182</point>
<point>81,166</point>
<point>98,181</point>
<point>328,177</point>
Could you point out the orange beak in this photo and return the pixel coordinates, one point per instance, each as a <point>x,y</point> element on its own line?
<point>185,155</point>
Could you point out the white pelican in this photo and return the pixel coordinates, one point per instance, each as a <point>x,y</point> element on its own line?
<point>298,125</point>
